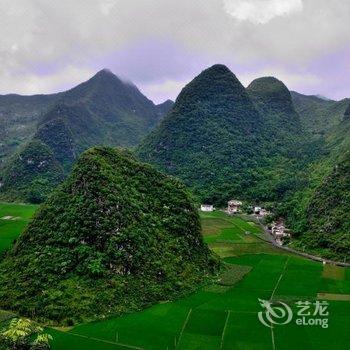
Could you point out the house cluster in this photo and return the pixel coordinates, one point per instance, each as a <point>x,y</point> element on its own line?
<point>279,232</point>
<point>277,229</point>
<point>233,207</point>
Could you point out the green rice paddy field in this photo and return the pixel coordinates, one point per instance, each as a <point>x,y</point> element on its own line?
<point>223,315</point>
<point>13,219</point>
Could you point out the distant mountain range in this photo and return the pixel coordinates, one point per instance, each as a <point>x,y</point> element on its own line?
<point>101,111</point>
<point>264,144</point>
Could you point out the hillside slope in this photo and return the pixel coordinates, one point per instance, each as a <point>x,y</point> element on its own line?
<point>318,115</point>
<point>327,231</point>
<point>226,141</point>
<point>288,147</point>
<point>19,116</point>
<point>116,236</point>
<point>319,213</point>
<point>102,111</point>
<point>209,138</point>
<point>31,174</point>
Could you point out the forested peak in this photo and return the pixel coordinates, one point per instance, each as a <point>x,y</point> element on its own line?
<point>164,107</point>
<point>268,85</point>
<point>31,173</point>
<point>217,69</point>
<point>107,154</point>
<point>107,87</point>
<point>116,229</point>
<point>216,82</point>
<point>270,89</point>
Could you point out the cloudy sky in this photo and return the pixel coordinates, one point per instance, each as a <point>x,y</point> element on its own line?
<point>160,45</point>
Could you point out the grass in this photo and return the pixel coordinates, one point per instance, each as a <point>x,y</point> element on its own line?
<point>13,219</point>
<point>225,316</point>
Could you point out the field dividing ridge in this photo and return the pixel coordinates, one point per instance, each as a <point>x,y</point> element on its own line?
<point>280,278</point>
<point>183,328</point>
<point>223,331</point>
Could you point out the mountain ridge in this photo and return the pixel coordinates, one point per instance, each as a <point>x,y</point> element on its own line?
<point>222,130</point>
<point>103,110</point>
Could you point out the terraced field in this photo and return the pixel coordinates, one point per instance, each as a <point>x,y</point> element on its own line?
<point>225,315</point>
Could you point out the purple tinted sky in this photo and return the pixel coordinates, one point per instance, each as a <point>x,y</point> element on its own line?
<point>48,46</point>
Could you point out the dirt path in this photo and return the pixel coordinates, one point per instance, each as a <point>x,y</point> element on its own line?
<point>268,238</point>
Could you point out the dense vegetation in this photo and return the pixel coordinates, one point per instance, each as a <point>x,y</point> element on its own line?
<point>262,144</point>
<point>31,173</point>
<point>116,236</point>
<point>19,116</point>
<point>319,212</point>
<point>319,115</point>
<point>225,141</point>
<point>285,146</point>
<point>23,334</point>
<point>329,212</point>
<point>210,137</point>
<point>102,111</point>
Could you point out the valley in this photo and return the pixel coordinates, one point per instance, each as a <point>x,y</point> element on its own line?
<point>175,175</point>
<point>224,315</point>
<point>118,255</point>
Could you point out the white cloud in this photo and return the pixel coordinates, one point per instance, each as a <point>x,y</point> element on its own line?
<point>168,89</point>
<point>107,5</point>
<point>261,11</point>
<point>29,83</point>
<point>41,39</point>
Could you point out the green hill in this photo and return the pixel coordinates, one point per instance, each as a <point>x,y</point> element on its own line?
<point>318,115</point>
<point>327,215</point>
<point>287,147</point>
<point>210,138</point>
<point>319,212</point>
<point>274,101</point>
<point>116,236</point>
<point>19,116</point>
<point>226,141</point>
<point>102,111</point>
<point>31,174</point>
<point>347,113</point>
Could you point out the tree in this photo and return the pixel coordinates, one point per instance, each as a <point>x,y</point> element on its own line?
<point>23,334</point>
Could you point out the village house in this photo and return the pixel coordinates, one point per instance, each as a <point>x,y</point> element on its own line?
<point>207,207</point>
<point>260,211</point>
<point>233,206</point>
<point>279,232</point>
<point>257,210</point>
